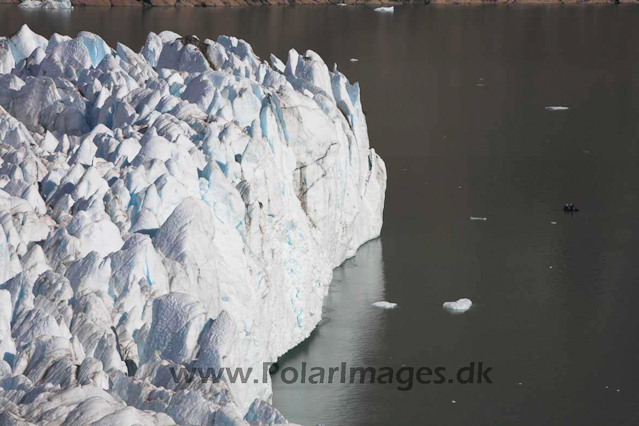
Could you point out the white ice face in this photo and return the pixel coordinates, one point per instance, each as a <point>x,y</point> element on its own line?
<point>46,4</point>
<point>181,207</point>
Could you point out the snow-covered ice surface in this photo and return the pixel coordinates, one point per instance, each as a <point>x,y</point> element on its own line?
<point>556,108</point>
<point>179,207</point>
<point>388,9</point>
<point>461,305</point>
<point>385,305</point>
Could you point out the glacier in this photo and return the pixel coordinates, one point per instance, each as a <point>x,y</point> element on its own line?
<point>175,208</point>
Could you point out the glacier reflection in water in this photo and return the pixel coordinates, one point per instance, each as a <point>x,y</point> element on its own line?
<point>357,331</point>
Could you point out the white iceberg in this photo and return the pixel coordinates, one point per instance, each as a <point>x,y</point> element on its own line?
<point>556,108</point>
<point>478,218</point>
<point>385,305</point>
<point>354,60</point>
<point>461,305</point>
<point>47,4</point>
<point>388,9</point>
<point>30,4</point>
<point>182,207</point>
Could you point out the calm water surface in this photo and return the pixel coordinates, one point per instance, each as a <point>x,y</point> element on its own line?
<point>455,101</point>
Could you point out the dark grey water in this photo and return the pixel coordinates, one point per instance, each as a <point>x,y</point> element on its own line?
<point>455,99</point>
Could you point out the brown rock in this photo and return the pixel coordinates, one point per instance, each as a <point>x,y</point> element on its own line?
<point>163,3</point>
<point>129,3</point>
<point>106,3</point>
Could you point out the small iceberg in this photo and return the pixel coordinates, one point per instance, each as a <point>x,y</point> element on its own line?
<point>47,4</point>
<point>556,108</point>
<point>478,218</point>
<point>389,9</point>
<point>462,305</point>
<point>354,60</point>
<point>30,4</point>
<point>385,305</point>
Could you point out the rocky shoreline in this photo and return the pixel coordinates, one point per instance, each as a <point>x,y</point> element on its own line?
<point>241,3</point>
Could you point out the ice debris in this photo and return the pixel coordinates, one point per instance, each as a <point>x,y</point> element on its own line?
<point>385,305</point>
<point>389,9</point>
<point>178,208</point>
<point>478,218</point>
<point>46,4</point>
<point>461,305</point>
<point>556,108</point>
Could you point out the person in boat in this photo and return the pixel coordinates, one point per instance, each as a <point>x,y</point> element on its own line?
<point>570,208</point>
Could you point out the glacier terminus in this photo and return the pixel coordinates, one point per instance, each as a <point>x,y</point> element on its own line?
<point>180,207</point>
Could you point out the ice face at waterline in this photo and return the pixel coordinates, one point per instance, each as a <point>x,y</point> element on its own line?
<point>178,208</point>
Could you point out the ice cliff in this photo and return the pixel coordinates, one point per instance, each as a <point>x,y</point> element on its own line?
<point>179,207</point>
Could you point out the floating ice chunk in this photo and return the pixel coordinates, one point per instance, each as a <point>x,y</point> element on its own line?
<point>556,108</point>
<point>385,305</point>
<point>30,4</point>
<point>354,60</point>
<point>46,4</point>
<point>478,218</point>
<point>553,223</point>
<point>57,4</point>
<point>389,9</point>
<point>461,305</point>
